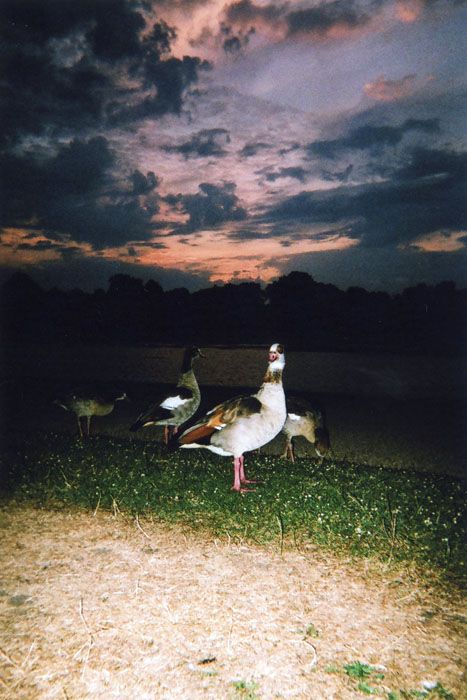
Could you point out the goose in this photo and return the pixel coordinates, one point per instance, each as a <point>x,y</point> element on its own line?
<point>85,404</point>
<point>243,423</point>
<point>179,405</point>
<point>308,421</point>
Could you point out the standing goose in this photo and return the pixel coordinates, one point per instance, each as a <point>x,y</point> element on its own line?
<point>308,421</point>
<point>175,408</point>
<point>86,405</point>
<point>243,423</point>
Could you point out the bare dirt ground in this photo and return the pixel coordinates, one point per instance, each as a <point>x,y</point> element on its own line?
<point>103,606</point>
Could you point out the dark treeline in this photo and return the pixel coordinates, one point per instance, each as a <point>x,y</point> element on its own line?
<point>303,313</point>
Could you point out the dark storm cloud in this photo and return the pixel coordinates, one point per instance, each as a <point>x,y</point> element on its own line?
<point>338,175</point>
<point>73,193</point>
<point>234,42</point>
<point>368,267</point>
<point>321,18</point>
<point>212,206</point>
<point>65,64</point>
<point>318,20</point>
<point>424,195</point>
<point>245,12</point>
<point>252,148</point>
<point>205,143</point>
<point>168,79</point>
<point>370,137</point>
<point>296,172</point>
<point>41,246</point>
<point>143,184</point>
<point>438,163</point>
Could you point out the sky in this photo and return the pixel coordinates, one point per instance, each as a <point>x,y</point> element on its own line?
<point>199,142</point>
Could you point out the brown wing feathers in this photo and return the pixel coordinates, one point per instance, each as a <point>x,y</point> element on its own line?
<point>223,414</point>
<point>197,434</point>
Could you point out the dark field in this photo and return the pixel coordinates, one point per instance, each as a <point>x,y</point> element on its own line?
<point>398,412</point>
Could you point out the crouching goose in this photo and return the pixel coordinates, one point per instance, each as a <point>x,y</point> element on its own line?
<point>308,421</point>
<point>175,408</point>
<point>243,423</point>
<point>85,404</point>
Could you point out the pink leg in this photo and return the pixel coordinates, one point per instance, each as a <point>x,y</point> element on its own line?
<point>291,451</point>
<point>243,478</point>
<point>236,484</point>
<point>166,434</point>
<point>238,471</point>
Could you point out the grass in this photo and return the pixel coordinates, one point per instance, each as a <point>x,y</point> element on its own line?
<point>393,515</point>
<point>368,681</point>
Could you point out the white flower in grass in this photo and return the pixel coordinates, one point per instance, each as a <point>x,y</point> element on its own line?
<point>429,685</point>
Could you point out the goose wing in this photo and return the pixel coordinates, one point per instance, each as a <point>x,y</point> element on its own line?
<point>219,417</point>
<point>164,407</point>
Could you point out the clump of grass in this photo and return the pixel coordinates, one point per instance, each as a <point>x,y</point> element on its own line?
<point>245,690</point>
<point>360,670</point>
<point>367,680</point>
<point>396,515</point>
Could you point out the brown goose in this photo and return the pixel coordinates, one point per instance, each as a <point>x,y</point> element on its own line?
<point>175,408</point>
<point>244,423</point>
<point>88,404</point>
<point>305,419</point>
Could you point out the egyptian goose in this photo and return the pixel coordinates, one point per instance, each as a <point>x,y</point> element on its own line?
<point>175,408</point>
<point>86,404</point>
<point>243,423</point>
<point>308,421</point>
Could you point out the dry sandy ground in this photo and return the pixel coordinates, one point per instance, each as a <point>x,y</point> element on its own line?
<point>102,606</point>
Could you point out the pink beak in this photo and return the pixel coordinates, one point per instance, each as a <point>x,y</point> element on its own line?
<point>273,356</point>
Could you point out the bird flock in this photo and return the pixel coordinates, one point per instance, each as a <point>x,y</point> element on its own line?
<point>229,429</point>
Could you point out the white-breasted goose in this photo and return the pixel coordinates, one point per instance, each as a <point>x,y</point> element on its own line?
<point>177,406</point>
<point>243,423</point>
<point>306,420</point>
<point>86,404</point>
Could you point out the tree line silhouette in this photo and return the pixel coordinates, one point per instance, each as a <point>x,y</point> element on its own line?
<point>302,313</point>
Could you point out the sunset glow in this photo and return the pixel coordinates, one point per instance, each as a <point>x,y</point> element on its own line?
<point>218,141</point>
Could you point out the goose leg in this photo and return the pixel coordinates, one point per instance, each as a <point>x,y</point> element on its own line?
<point>169,432</point>
<point>79,426</point>
<point>243,479</point>
<point>320,456</point>
<point>291,451</point>
<point>285,453</point>
<point>238,469</point>
<point>236,483</point>
<point>88,420</point>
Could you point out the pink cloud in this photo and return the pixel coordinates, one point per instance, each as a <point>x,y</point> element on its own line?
<point>441,242</point>
<point>385,90</point>
<point>409,10</point>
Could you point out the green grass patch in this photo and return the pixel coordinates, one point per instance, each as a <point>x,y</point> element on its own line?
<point>367,680</point>
<point>395,515</point>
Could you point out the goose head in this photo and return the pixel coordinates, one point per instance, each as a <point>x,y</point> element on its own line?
<point>276,356</point>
